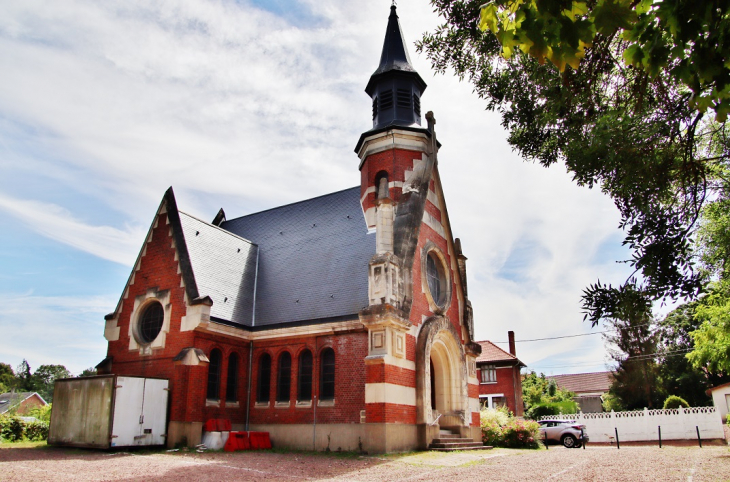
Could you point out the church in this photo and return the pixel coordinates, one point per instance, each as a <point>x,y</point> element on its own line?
<point>340,322</point>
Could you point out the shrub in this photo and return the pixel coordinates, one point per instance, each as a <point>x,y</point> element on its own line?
<point>501,429</point>
<point>36,430</point>
<point>551,408</point>
<point>491,421</point>
<point>11,428</point>
<point>42,413</point>
<point>674,401</point>
<point>520,434</point>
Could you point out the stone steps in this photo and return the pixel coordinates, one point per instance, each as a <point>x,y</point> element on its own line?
<point>455,449</point>
<point>450,442</point>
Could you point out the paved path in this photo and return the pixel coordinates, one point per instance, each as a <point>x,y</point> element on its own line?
<point>687,464</point>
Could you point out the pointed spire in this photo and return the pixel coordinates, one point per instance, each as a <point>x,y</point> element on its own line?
<point>395,54</point>
<point>395,86</point>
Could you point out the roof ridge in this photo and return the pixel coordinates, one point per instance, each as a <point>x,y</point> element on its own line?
<point>498,348</point>
<point>219,228</point>
<point>291,204</point>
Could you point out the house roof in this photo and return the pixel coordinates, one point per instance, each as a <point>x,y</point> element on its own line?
<point>491,353</point>
<point>13,399</point>
<point>584,382</point>
<point>313,259</point>
<point>717,387</point>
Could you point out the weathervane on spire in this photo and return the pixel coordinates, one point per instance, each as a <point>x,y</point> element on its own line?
<point>393,4</point>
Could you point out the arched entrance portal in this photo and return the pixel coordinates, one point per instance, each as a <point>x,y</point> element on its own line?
<point>445,380</point>
<point>441,379</point>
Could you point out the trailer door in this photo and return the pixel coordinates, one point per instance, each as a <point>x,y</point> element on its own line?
<point>128,401</point>
<point>154,413</point>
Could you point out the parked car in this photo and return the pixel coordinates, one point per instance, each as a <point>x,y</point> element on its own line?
<point>567,432</point>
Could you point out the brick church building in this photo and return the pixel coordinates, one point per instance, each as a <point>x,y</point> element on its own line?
<point>341,321</point>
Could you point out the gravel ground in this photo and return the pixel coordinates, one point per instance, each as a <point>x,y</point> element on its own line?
<point>631,463</point>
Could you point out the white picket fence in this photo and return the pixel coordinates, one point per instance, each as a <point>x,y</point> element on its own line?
<point>643,425</point>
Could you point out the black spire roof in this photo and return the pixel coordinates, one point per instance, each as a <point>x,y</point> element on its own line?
<point>395,55</point>
<point>395,86</point>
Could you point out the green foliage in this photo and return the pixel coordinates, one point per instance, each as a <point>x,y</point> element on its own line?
<point>44,377</point>
<point>633,344</point>
<point>42,413</point>
<point>641,133</point>
<point>712,338</point>
<point>538,390</point>
<point>686,40</point>
<point>676,374</point>
<point>88,372</point>
<point>24,377</point>
<point>491,422</point>
<point>551,408</point>
<point>612,403</point>
<point>501,429</point>
<point>11,428</point>
<point>8,380</point>
<point>674,401</point>
<point>520,434</point>
<point>37,430</point>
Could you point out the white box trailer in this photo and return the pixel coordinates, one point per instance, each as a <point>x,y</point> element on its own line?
<point>109,411</point>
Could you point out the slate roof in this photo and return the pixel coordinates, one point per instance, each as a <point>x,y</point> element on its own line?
<point>13,399</point>
<point>491,353</point>
<point>584,382</point>
<point>313,259</point>
<point>224,267</point>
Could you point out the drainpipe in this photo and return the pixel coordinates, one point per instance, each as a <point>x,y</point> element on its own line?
<point>248,390</point>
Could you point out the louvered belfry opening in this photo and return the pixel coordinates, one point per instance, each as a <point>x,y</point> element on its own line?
<point>395,86</point>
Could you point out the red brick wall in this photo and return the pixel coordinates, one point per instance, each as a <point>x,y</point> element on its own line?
<point>506,384</point>
<point>29,404</point>
<point>395,162</point>
<point>390,413</point>
<point>350,352</point>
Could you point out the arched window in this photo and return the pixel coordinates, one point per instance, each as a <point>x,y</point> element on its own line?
<point>214,375</point>
<point>327,375</point>
<point>263,390</point>
<point>304,389</point>
<point>283,378</point>
<point>436,279</point>
<point>232,380</point>
<point>381,185</point>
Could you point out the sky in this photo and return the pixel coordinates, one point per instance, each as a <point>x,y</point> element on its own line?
<point>249,105</point>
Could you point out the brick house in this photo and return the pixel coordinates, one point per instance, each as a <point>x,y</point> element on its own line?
<point>21,403</point>
<point>500,381</point>
<point>343,318</point>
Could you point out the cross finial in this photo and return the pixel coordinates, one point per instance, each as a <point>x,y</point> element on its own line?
<point>393,4</point>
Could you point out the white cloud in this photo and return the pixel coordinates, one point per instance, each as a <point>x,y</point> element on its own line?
<point>57,223</point>
<point>236,107</point>
<point>54,330</point>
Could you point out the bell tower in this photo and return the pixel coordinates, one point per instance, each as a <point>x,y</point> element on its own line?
<point>396,144</point>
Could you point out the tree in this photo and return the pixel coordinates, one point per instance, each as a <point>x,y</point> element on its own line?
<point>677,375</point>
<point>639,129</point>
<point>8,380</point>
<point>44,378</point>
<point>539,391</point>
<point>711,339</point>
<point>24,377</point>
<point>633,346</point>
<point>88,372</point>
